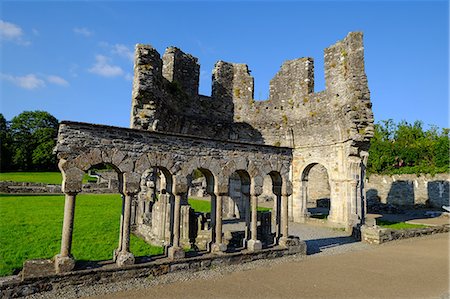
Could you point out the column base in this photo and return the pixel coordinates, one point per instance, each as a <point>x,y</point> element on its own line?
<point>254,245</point>
<point>64,263</point>
<point>294,244</point>
<point>218,247</point>
<point>124,258</point>
<point>175,253</point>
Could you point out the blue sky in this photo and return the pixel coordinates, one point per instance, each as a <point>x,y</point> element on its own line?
<point>74,59</point>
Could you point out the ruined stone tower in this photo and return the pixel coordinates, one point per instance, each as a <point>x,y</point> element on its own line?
<point>331,128</point>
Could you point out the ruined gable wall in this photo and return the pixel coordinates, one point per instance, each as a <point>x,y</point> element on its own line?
<point>292,116</point>
<point>296,116</point>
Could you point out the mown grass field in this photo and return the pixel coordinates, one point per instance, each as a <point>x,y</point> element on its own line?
<point>30,227</point>
<point>52,178</point>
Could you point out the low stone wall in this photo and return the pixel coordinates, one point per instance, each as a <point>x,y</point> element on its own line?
<point>378,235</point>
<point>38,188</point>
<point>19,187</point>
<point>409,189</point>
<point>13,288</point>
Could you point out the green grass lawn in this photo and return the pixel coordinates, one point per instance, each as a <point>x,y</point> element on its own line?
<point>54,178</point>
<point>398,225</point>
<point>51,178</point>
<point>204,206</point>
<point>30,227</point>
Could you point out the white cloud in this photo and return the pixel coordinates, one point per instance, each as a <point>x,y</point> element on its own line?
<point>57,80</point>
<point>82,31</point>
<point>103,68</point>
<point>12,32</point>
<point>128,77</point>
<point>30,81</point>
<point>123,51</point>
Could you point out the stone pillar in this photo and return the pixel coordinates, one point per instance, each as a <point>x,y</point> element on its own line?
<point>175,251</point>
<point>64,262</point>
<point>218,246</point>
<point>124,256</point>
<point>284,220</point>
<point>254,244</point>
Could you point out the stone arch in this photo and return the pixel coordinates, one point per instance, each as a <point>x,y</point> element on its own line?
<point>274,181</point>
<point>316,190</point>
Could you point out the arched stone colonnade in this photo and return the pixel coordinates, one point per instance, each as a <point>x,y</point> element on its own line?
<point>132,153</point>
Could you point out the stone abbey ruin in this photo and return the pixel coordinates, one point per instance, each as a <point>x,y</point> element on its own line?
<point>242,147</point>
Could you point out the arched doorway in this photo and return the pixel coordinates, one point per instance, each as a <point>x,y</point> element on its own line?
<point>316,192</point>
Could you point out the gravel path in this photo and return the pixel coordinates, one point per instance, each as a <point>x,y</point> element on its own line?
<point>320,241</point>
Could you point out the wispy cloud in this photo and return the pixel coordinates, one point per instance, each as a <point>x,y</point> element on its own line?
<point>12,32</point>
<point>83,31</point>
<point>103,67</point>
<point>57,80</point>
<point>120,50</point>
<point>34,81</point>
<point>123,51</point>
<point>30,81</point>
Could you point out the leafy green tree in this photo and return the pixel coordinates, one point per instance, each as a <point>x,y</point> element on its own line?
<point>5,144</point>
<point>33,138</point>
<point>408,148</point>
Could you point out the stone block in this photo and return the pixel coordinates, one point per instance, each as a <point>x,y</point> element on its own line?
<point>64,263</point>
<point>124,259</point>
<point>175,253</point>
<point>37,268</point>
<point>254,245</point>
<point>218,248</point>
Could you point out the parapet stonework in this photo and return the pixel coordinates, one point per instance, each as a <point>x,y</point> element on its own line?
<point>239,145</point>
<point>332,127</point>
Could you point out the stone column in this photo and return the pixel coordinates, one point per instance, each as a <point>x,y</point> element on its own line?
<point>218,246</point>
<point>284,220</point>
<point>124,256</point>
<point>64,261</point>
<point>254,244</point>
<point>175,251</point>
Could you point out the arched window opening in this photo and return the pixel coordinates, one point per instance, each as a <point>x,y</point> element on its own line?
<point>236,211</point>
<point>200,218</point>
<point>316,190</point>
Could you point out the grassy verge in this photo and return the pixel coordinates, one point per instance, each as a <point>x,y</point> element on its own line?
<point>204,206</point>
<point>398,225</point>
<point>30,227</point>
<point>53,178</point>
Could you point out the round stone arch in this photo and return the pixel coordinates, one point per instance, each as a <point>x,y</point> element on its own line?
<point>322,187</point>
<point>298,207</point>
<point>210,169</point>
<point>73,169</point>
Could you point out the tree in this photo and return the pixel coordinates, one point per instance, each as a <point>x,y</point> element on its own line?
<point>408,148</point>
<point>33,136</point>
<point>5,144</point>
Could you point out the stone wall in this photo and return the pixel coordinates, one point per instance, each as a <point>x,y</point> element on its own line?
<point>409,189</point>
<point>42,282</point>
<point>332,127</point>
<point>165,98</point>
<point>377,235</point>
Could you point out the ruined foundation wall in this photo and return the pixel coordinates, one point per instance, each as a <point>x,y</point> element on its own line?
<point>409,189</point>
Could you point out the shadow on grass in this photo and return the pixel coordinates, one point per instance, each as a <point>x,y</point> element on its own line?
<point>316,245</point>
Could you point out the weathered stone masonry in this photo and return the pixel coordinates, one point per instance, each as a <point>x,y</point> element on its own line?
<point>332,127</point>
<point>228,136</point>
<point>133,152</point>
